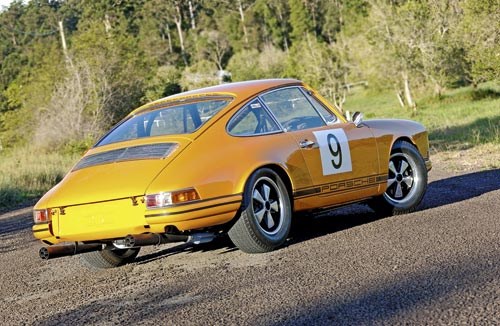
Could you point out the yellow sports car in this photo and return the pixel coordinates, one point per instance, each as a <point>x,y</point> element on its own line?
<point>239,158</point>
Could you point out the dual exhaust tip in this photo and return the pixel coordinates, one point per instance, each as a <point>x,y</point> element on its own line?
<point>130,241</point>
<point>67,250</point>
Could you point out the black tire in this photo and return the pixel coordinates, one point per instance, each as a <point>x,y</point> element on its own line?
<point>266,216</point>
<point>407,182</point>
<point>109,258</point>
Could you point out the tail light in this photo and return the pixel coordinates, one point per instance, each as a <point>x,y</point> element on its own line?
<point>165,199</point>
<point>42,216</point>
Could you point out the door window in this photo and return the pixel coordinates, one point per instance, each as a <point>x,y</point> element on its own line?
<point>292,109</point>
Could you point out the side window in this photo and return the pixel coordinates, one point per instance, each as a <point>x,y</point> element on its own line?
<point>253,119</point>
<point>292,109</point>
<point>329,117</point>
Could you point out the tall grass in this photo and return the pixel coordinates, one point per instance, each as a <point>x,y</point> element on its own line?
<point>25,174</point>
<point>460,119</point>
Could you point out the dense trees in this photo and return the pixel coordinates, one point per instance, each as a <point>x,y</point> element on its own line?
<point>121,53</point>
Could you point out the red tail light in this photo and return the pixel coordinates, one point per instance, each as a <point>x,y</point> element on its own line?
<point>42,216</point>
<point>165,199</point>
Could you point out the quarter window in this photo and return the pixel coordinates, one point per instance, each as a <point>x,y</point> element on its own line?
<point>292,109</point>
<point>253,119</point>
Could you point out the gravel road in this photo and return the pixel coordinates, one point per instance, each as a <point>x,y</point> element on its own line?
<point>439,265</point>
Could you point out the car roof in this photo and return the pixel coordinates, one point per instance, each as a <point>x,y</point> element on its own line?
<point>238,90</point>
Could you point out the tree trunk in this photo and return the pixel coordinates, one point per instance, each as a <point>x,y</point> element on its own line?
<point>407,91</point>
<point>242,16</point>
<point>107,24</point>
<point>169,38</point>
<point>339,100</point>
<point>191,14</point>
<point>178,24</point>
<point>63,41</point>
<point>399,95</point>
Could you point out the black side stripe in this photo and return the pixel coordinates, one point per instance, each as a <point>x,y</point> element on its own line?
<point>41,230</point>
<point>193,210</point>
<point>305,192</point>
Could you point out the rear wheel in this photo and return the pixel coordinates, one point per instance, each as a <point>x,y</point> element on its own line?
<point>109,258</point>
<point>265,221</point>
<point>406,182</point>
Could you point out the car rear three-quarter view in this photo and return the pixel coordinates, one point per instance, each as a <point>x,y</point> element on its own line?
<point>237,159</point>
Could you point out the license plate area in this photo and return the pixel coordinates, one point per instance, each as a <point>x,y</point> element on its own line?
<point>101,220</point>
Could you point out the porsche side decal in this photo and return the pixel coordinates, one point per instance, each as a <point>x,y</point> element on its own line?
<point>341,186</point>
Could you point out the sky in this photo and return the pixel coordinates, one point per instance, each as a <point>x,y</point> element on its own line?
<point>4,3</point>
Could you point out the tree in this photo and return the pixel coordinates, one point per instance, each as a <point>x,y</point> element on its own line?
<point>214,47</point>
<point>77,109</point>
<point>300,20</point>
<point>274,16</point>
<point>479,32</point>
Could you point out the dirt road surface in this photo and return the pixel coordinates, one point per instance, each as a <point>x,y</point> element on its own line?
<point>439,265</point>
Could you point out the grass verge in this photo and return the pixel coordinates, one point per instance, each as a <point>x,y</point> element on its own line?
<point>463,124</point>
<point>26,175</point>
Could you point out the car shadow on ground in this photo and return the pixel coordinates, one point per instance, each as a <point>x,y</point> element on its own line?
<point>309,226</point>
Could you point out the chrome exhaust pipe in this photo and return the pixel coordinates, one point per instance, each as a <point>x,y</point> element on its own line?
<point>198,238</point>
<point>67,250</point>
<point>154,239</point>
<point>151,239</point>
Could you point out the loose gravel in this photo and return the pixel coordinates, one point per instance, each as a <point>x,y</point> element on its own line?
<point>439,265</point>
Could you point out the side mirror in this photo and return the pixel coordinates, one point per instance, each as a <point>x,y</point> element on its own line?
<point>357,118</point>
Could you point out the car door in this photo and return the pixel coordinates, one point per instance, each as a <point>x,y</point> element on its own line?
<point>341,157</point>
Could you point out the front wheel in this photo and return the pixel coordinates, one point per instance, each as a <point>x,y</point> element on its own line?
<point>266,217</point>
<point>406,181</point>
<point>109,258</point>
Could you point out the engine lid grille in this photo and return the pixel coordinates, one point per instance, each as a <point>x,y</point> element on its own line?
<point>151,151</point>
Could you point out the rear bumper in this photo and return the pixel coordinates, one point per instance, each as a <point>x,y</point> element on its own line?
<point>197,215</point>
<point>117,219</point>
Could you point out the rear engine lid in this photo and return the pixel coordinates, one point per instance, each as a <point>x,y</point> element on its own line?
<point>111,173</point>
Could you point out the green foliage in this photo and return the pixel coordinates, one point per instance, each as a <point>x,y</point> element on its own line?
<point>252,64</point>
<point>200,74</point>
<point>300,21</point>
<point>122,53</point>
<point>164,83</point>
<point>480,35</point>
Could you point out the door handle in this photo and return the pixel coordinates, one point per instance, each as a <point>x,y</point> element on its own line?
<point>306,143</point>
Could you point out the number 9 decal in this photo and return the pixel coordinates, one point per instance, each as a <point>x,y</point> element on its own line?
<point>334,151</point>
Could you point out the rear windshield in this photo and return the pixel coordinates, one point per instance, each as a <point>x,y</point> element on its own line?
<point>177,119</point>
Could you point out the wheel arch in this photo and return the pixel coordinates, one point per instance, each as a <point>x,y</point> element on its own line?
<point>281,172</point>
<point>403,138</point>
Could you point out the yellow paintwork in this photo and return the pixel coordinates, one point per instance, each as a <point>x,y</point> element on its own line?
<point>107,201</point>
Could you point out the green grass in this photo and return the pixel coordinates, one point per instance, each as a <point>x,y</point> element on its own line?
<point>26,175</point>
<point>460,119</point>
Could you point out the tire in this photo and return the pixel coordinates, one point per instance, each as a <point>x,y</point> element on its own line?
<point>109,258</point>
<point>265,220</point>
<point>406,183</point>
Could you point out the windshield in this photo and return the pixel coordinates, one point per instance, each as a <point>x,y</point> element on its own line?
<point>178,119</point>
